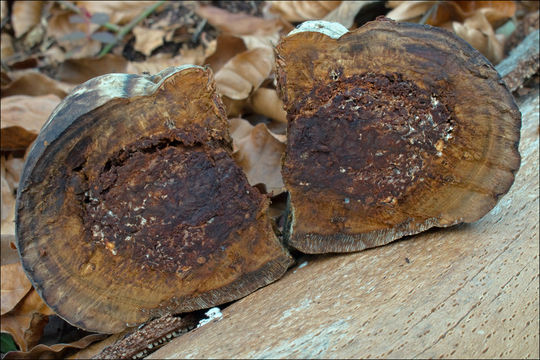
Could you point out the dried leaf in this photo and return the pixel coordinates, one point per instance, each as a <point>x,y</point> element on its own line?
<point>478,32</point>
<point>7,226</point>
<point>297,11</point>
<point>14,167</point>
<point>408,10</point>
<point>261,41</point>
<point>443,13</point>
<point>96,348</point>
<point>57,351</point>
<point>7,46</point>
<point>22,118</point>
<point>240,23</point>
<point>227,46</point>
<point>9,254</point>
<point>77,71</point>
<point>60,25</point>
<point>34,83</point>
<point>120,12</point>
<point>266,102</point>
<point>14,287</point>
<point>3,10</point>
<point>25,15</point>
<point>346,12</point>
<point>258,152</point>
<point>26,321</point>
<point>244,73</point>
<point>161,61</point>
<point>146,40</point>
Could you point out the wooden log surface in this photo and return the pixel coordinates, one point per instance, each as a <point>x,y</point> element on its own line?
<point>470,291</point>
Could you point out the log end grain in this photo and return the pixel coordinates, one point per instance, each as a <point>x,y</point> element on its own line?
<point>131,206</point>
<point>392,129</point>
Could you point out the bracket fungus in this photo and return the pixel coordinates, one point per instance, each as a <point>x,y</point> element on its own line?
<point>131,206</point>
<point>393,128</point>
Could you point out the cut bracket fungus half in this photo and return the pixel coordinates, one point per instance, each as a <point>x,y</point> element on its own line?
<point>131,206</point>
<point>393,128</point>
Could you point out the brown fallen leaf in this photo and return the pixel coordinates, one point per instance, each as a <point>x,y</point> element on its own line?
<point>6,46</point>
<point>477,31</point>
<point>443,13</point>
<point>14,167</point>
<point>408,10</point>
<point>261,41</point>
<point>14,287</point>
<point>25,15</point>
<point>227,46</point>
<point>56,351</point>
<point>22,118</point>
<point>96,348</point>
<point>474,21</point>
<point>346,12</point>
<point>240,23</point>
<point>59,25</point>
<point>7,226</point>
<point>3,10</point>
<point>34,83</point>
<point>146,40</point>
<point>120,12</point>
<point>244,73</point>
<point>297,11</point>
<point>258,152</point>
<point>77,71</point>
<point>59,28</point>
<point>8,253</point>
<point>26,321</point>
<point>162,61</point>
<point>266,102</point>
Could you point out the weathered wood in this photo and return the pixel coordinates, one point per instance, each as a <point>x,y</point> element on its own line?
<point>522,62</point>
<point>469,291</point>
<point>393,128</point>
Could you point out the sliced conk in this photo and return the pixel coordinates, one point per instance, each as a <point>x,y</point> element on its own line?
<point>131,206</point>
<point>392,129</point>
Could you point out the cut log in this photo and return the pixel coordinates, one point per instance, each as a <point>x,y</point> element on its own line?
<point>131,206</point>
<point>466,292</point>
<point>392,129</point>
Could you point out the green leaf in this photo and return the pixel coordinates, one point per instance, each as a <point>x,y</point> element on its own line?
<point>76,35</point>
<point>6,343</point>
<point>99,18</point>
<point>76,19</point>
<point>104,37</point>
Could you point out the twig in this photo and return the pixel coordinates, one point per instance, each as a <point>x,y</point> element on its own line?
<point>432,10</point>
<point>128,27</point>
<point>198,31</point>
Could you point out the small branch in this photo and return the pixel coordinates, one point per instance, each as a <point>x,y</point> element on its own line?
<point>128,27</point>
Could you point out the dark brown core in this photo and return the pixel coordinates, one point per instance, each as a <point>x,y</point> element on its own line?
<point>369,138</point>
<point>168,206</point>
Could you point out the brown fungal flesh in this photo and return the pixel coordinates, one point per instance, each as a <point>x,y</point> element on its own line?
<point>392,129</point>
<point>131,206</point>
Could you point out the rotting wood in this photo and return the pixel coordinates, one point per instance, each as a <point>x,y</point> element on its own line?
<point>469,291</point>
<point>131,207</point>
<point>393,128</point>
<point>150,337</point>
<point>522,63</point>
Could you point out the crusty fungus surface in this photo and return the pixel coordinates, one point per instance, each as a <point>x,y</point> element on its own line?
<point>392,129</point>
<point>131,206</point>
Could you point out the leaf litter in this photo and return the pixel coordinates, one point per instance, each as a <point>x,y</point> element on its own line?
<point>50,47</point>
